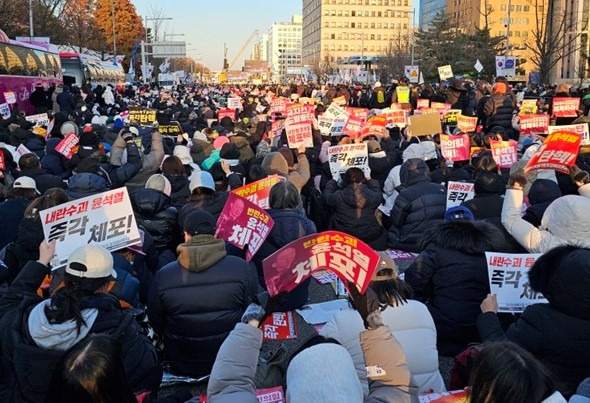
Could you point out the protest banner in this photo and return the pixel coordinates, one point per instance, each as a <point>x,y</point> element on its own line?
<point>340,101</point>
<point>421,125</point>
<point>279,326</point>
<point>278,106</point>
<point>231,113</point>
<point>40,119</point>
<point>324,124</point>
<point>337,127</point>
<point>234,103</point>
<point>558,152</point>
<point>528,107</point>
<point>459,192</point>
<point>359,112</point>
<point>353,127</point>
<point>509,280</point>
<point>455,148</point>
<point>259,191</point>
<point>395,118</point>
<point>349,258</point>
<point>66,146</point>
<point>565,107</point>
<point>271,395</point>
<point>5,111</point>
<point>450,116</point>
<point>299,134</point>
<point>172,129</point>
<point>346,156</point>
<point>399,254</point>
<point>298,113</point>
<point>505,153</point>
<point>22,150</point>
<point>579,128</point>
<point>324,277</point>
<point>277,127</point>
<point>10,97</point>
<point>534,124</point>
<point>423,103</point>
<point>242,223</point>
<point>104,219</point>
<point>454,396</point>
<point>142,116</point>
<point>445,72</point>
<point>2,162</point>
<point>375,126</point>
<point>467,124</point>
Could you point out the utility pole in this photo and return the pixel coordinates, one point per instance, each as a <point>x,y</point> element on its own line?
<point>31,28</point>
<point>413,33</point>
<point>508,29</point>
<point>114,32</point>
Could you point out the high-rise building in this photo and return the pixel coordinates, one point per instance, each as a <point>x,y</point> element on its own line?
<point>259,49</point>
<point>429,9</point>
<point>338,30</point>
<point>283,47</point>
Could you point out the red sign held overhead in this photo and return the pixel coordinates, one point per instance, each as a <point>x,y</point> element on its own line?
<point>565,107</point>
<point>231,113</point>
<point>455,148</point>
<point>534,124</point>
<point>558,152</point>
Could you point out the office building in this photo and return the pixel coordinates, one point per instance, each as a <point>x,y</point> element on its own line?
<point>283,47</point>
<point>429,9</point>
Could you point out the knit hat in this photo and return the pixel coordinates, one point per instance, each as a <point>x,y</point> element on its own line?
<point>287,155</point>
<point>184,154</point>
<point>202,179</point>
<point>373,146</point>
<point>500,88</point>
<point>275,163</point>
<point>160,183</point>
<point>200,223</point>
<point>219,142</point>
<point>458,213</point>
<point>68,127</point>
<point>118,124</point>
<point>89,139</point>
<point>229,151</point>
<point>91,261</point>
<point>262,149</point>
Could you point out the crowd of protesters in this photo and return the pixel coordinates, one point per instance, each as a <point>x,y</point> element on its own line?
<point>100,329</point>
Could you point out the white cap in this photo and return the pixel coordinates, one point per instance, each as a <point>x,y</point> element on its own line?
<point>91,261</point>
<point>25,182</point>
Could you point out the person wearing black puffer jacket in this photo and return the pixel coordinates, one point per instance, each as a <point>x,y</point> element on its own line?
<point>419,205</point>
<point>499,109</point>
<point>196,301</point>
<point>174,171</point>
<point>542,193</point>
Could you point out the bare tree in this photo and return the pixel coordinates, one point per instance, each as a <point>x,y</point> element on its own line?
<point>323,67</point>
<point>157,15</point>
<point>394,59</point>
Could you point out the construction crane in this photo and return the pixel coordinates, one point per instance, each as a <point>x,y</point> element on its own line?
<point>227,67</point>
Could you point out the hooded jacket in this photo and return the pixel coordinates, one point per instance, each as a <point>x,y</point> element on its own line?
<point>25,248</point>
<point>498,110</point>
<point>197,300</point>
<point>557,333</point>
<point>200,150</point>
<point>12,212</point>
<point>451,277</point>
<point>86,184</point>
<point>542,193</point>
<point>274,163</point>
<point>419,205</point>
<point>44,181</point>
<point>565,221</point>
<point>53,162</point>
<point>246,152</point>
<point>154,211</point>
<point>179,190</point>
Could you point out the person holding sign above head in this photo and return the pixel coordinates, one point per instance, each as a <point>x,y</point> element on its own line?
<point>275,163</point>
<point>557,333</point>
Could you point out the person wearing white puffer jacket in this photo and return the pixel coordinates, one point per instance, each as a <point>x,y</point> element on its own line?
<point>393,179</point>
<point>410,323</point>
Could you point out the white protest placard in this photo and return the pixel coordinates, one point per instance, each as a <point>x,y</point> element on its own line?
<point>299,134</point>
<point>22,150</point>
<point>412,73</point>
<point>579,128</point>
<point>347,156</point>
<point>104,219</point>
<point>10,97</point>
<point>445,72</point>
<point>5,111</point>
<point>509,280</point>
<point>459,192</point>
<point>234,103</point>
<point>324,124</point>
<point>40,119</point>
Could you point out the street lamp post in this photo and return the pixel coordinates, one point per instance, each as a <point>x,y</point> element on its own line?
<point>31,29</point>
<point>114,32</point>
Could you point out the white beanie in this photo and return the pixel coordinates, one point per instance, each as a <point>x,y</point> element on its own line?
<point>413,151</point>
<point>160,183</point>
<point>429,149</point>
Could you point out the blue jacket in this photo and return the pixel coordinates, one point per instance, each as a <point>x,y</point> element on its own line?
<point>12,212</point>
<point>86,184</point>
<point>53,162</point>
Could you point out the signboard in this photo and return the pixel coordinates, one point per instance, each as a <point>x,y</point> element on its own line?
<point>259,191</point>
<point>579,128</point>
<point>231,113</point>
<point>375,126</point>
<point>509,280</point>
<point>277,127</point>
<point>272,395</point>
<point>10,97</point>
<point>299,134</point>
<point>395,118</point>
<point>565,107</point>
<point>459,192</point>
<point>167,49</point>
<point>534,124</point>
<point>445,72</point>
<point>66,146</point>
<point>278,106</point>
<point>22,150</point>
<point>467,124</point>
<point>5,111</point>
<point>104,219</point>
<point>455,148</point>
<point>506,66</point>
<point>359,112</point>
<point>420,125</point>
<point>347,156</point>
<point>558,152</point>
<point>299,113</point>
<point>412,73</point>
<point>505,153</point>
<point>40,119</point>
<point>353,127</point>
<point>172,129</point>
<point>242,223</point>
<point>144,116</point>
<point>340,101</point>
<point>349,258</point>
<point>450,116</point>
<point>234,103</point>
<point>528,107</point>
<point>279,326</point>
<point>422,103</point>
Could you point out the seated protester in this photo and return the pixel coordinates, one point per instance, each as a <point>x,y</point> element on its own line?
<point>202,145</point>
<point>256,173</point>
<point>275,163</point>
<point>486,163</point>
<point>31,167</point>
<point>36,333</point>
<point>450,171</point>
<point>30,233</point>
<point>174,171</point>
<point>409,321</point>
<point>240,140</point>
<point>290,224</point>
<point>197,300</point>
<point>504,372</point>
<point>214,156</point>
<point>231,154</point>
<point>392,182</point>
<point>556,333</point>
<point>204,197</point>
<point>487,202</point>
<point>381,161</point>
<point>12,210</point>
<point>451,277</point>
<point>148,164</point>
<point>182,152</point>
<point>543,192</point>
<point>565,221</point>
<point>419,205</point>
<point>354,207</point>
<point>154,211</point>
<point>53,162</point>
<point>322,370</point>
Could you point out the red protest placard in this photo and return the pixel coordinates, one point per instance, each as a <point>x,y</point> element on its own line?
<point>298,113</point>
<point>353,127</point>
<point>278,106</point>
<point>258,192</point>
<point>505,153</point>
<point>396,118</point>
<point>299,134</point>
<point>277,127</point>
<point>455,148</point>
<point>565,107</point>
<point>66,146</point>
<point>349,258</point>
<point>243,223</point>
<point>231,113</point>
<point>270,395</point>
<point>466,124</point>
<point>558,152</point>
<point>534,124</point>
<point>279,326</point>
<point>2,163</point>
<point>422,103</point>
<point>359,112</point>
<point>375,126</point>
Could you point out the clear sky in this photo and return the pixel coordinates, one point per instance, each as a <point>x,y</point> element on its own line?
<point>207,24</point>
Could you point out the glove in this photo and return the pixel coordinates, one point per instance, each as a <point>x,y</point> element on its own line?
<point>253,312</point>
<point>127,136</point>
<point>578,176</point>
<point>367,305</point>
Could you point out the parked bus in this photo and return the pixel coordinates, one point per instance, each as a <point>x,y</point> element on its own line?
<point>22,66</point>
<point>80,69</point>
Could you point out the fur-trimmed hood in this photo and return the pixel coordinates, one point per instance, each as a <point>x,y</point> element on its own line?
<point>470,237</point>
<point>563,276</point>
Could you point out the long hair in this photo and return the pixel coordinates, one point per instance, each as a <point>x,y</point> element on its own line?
<point>51,198</point>
<point>91,371</point>
<point>393,292</point>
